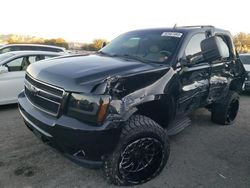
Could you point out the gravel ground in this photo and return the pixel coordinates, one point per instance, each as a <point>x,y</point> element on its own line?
<point>203,155</point>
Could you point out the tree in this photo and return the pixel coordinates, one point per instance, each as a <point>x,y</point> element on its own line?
<point>95,45</point>
<point>57,42</point>
<point>242,42</point>
<point>12,39</point>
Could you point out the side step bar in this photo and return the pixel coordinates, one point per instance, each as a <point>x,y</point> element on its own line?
<point>178,125</point>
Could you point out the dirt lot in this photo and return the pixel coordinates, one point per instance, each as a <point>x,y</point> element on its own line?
<point>203,155</point>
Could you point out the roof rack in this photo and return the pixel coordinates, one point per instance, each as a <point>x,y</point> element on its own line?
<point>193,26</point>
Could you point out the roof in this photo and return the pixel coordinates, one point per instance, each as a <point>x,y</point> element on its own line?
<point>33,53</point>
<point>39,45</point>
<point>185,29</point>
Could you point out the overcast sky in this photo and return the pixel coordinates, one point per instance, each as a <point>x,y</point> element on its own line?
<point>84,20</point>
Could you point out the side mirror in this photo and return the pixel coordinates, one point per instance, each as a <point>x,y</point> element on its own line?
<point>212,50</point>
<point>3,69</point>
<point>104,44</point>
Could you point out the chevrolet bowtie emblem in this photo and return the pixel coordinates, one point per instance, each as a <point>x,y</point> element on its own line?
<point>34,90</point>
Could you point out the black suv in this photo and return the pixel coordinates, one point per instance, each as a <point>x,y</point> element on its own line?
<point>116,108</point>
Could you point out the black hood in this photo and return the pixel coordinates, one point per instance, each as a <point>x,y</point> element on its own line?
<point>82,73</point>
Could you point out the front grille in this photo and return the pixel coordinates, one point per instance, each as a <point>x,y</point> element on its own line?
<point>43,96</point>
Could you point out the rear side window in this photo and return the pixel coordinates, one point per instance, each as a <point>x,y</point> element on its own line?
<point>49,49</point>
<point>245,59</point>
<point>4,50</point>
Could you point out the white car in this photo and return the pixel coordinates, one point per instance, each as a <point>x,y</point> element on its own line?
<point>12,72</point>
<point>245,58</point>
<point>31,47</point>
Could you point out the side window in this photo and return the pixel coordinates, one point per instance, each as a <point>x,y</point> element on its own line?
<point>25,48</point>
<point>16,48</point>
<point>39,57</point>
<point>32,59</point>
<point>49,49</point>
<point>224,47</point>
<point>4,50</point>
<point>21,64</point>
<point>15,65</point>
<point>54,50</point>
<point>194,46</point>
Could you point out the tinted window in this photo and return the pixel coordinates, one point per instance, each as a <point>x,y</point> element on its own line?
<point>194,45</point>
<point>16,48</point>
<point>4,50</point>
<point>49,49</point>
<point>245,59</point>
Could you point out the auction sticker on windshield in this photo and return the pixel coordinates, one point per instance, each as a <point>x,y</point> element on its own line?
<point>172,34</point>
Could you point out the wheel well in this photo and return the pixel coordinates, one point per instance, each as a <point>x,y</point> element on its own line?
<point>161,111</point>
<point>236,85</point>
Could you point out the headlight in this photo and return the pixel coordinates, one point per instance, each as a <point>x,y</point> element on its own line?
<point>88,108</point>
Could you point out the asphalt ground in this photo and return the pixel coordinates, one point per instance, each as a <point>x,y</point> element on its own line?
<point>203,155</point>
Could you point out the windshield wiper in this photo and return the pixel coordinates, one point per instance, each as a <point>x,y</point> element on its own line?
<point>128,56</point>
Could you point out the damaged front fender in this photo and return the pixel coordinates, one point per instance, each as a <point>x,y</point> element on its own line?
<point>132,90</point>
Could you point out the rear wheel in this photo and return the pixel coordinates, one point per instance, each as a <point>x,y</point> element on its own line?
<point>141,153</point>
<point>225,112</point>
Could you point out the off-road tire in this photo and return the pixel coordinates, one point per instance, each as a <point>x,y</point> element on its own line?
<point>138,129</point>
<point>225,112</point>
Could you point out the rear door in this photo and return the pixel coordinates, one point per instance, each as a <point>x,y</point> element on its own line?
<point>194,77</point>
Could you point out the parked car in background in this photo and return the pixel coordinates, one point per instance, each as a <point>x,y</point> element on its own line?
<point>245,58</point>
<point>33,47</point>
<point>12,71</point>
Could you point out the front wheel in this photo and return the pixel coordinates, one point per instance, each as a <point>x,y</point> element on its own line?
<point>225,112</point>
<point>141,153</point>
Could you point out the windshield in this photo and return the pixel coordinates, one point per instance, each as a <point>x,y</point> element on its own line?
<point>5,56</point>
<point>245,59</point>
<point>147,46</point>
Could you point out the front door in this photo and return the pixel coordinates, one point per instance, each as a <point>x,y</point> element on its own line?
<point>12,82</point>
<point>194,77</point>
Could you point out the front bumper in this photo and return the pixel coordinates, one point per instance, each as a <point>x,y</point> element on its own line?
<point>82,143</point>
